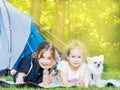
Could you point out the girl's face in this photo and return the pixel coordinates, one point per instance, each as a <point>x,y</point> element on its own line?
<point>46,61</point>
<point>75,57</point>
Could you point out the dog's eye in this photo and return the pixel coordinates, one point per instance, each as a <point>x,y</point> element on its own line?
<point>95,62</point>
<point>100,62</point>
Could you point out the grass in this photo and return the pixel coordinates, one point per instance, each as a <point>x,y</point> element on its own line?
<point>109,74</point>
<point>71,88</point>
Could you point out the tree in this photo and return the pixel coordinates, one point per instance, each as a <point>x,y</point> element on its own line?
<point>35,12</point>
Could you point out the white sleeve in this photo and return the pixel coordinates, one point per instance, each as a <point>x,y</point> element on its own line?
<point>63,66</point>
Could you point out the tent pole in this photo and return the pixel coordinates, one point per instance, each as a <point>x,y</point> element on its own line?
<point>10,33</point>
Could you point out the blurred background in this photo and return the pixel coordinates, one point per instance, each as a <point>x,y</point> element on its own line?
<point>94,22</point>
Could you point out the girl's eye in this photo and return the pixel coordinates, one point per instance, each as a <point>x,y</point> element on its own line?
<point>79,56</point>
<point>41,57</point>
<point>73,56</point>
<point>49,58</point>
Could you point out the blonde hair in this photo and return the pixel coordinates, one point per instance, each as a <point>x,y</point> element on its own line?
<point>75,44</point>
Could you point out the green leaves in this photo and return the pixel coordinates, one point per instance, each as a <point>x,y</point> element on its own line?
<point>95,22</point>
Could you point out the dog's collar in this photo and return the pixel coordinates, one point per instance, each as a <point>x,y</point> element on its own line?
<point>92,76</point>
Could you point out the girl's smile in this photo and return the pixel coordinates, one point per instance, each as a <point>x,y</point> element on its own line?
<point>46,60</point>
<point>75,58</point>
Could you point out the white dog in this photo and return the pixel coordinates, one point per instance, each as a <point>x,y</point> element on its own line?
<point>94,71</point>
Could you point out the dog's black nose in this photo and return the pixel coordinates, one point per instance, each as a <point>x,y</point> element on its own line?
<point>98,65</point>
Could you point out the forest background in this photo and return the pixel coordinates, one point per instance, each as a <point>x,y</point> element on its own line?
<point>94,22</point>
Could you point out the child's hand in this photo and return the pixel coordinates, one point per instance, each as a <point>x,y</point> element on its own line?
<point>51,65</point>
<point>80,84</point>
<point>43,84</point>
<point>12,72</point>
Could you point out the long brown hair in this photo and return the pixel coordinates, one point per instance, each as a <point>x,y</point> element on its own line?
<point>42,48</point>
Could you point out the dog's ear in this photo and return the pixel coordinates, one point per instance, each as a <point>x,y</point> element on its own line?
<point>102,57</point>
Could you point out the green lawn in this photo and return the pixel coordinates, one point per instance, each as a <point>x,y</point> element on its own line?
<point>71,88</point>
<point>109,74</point>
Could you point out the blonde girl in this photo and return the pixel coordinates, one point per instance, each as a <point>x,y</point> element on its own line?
<point>72,68</point>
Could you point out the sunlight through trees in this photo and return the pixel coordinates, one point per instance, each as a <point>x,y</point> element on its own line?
<point>94,22</point>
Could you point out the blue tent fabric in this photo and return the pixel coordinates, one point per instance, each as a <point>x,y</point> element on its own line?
<point>18,35</point>
<point>14,33</point>
<point>31,45</point>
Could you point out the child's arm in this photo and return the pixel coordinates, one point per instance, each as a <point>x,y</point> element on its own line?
<point>63,77</point>
<point>46,78</point>
<point>47,75</point>
<point>80,83</point>
<point>19,78</point>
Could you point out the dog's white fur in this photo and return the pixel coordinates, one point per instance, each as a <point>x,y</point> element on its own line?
<point>94,69</point>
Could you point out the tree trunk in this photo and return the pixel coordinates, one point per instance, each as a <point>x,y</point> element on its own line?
<point>35,12</point>
<point>60,22</point>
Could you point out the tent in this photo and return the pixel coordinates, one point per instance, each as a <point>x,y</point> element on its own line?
<point>18,35</point>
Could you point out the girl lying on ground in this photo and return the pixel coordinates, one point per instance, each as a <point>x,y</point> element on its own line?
<point>37,67</point>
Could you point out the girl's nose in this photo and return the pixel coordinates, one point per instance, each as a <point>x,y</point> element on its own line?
<point>45,60</point>
<point>76,59</point>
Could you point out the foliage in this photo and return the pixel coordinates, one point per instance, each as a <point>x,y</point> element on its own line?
<point>94,22</point>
